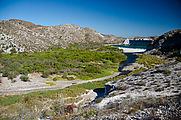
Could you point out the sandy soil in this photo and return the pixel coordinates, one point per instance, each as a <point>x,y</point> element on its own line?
<point>37,83</point>
<point>132,50</point>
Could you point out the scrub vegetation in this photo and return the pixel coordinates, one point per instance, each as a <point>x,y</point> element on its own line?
<point>38,101</point>
<point>149,60</point>
<point>82,63</point>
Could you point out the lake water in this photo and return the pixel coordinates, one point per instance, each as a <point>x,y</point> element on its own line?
<point>137,46</point>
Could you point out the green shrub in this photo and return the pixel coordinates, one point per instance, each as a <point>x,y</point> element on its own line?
<point>23,71</point>
<point>5,73</point>
<point>60,60</point>
<point>45,74</point>
<point>24,78</point>
<point>12,75</point>
<point>65,75</point>
<point>58,106</point>
<point>88,113</point>
<point>107,62</point>
<point>149,60</point>
<point>0,54</point>
<point>92,69</point>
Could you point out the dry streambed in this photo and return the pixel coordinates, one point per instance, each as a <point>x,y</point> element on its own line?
<point>37,83</point>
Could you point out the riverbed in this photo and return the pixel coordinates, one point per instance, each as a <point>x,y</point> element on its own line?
<point>131,58</point>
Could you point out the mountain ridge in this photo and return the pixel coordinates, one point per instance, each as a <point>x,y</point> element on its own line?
<point>26,36</point>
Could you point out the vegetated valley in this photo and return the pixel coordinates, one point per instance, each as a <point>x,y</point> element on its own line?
<point>67,75</point>
<point>81,63</point>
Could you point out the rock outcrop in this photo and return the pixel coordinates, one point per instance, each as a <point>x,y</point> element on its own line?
<point>26,36</point>
<point>147,91</point>
<point>168,42</point>
<point>163,81</point>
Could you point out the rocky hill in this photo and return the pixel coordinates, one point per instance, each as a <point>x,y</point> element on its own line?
<point>26,36</point>
<point>114,38</point>
<point>144,96</point>
<point>169,42</point>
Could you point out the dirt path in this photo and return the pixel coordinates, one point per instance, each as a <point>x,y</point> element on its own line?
<point>39,84</point>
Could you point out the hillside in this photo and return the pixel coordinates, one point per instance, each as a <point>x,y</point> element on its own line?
<point>26,36</point>
<point>168,43</point>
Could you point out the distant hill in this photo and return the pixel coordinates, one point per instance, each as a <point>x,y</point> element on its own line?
<point>143,38</point>
<point>26,36</point>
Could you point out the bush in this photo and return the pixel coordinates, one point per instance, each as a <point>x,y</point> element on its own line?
<point>45,74</point>
<point>89,113</point>
<point>92,69</point>
<point>58,60</point>
<point>23,71</point>
<point>149,60</point>
<point>12,75</point>
<point>65,76</point>
<point>58,106</point>
<point>24,78</point>
<point>5,73</point>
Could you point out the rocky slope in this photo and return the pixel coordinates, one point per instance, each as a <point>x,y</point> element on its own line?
<point>146,95</point>
<point>26,36</point>
<point>168,42</point>
<point>151,94</point>
<point>114,39</point>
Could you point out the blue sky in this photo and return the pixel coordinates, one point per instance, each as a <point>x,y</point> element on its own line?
<point>126,18</point>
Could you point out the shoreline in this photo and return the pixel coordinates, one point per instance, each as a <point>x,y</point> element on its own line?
<point>132,50</point>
